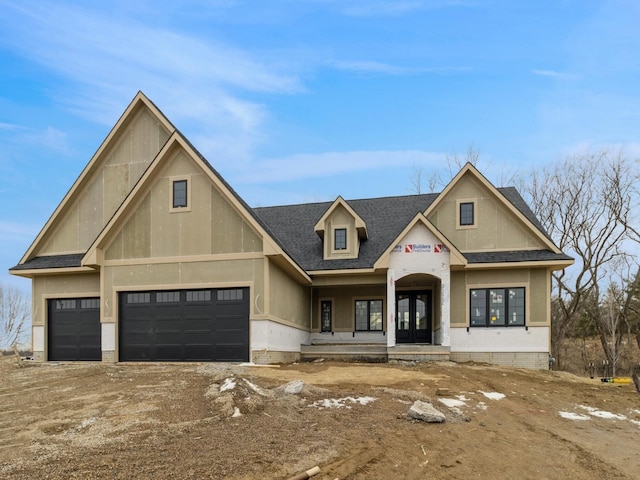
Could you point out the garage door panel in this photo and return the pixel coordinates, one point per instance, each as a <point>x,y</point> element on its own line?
<point>74,331</point>
<point>205,325</point>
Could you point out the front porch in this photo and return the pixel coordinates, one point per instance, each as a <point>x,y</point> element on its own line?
<point>374,352</point>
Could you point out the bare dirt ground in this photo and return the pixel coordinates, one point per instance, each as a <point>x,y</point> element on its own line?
<point>201,421</point>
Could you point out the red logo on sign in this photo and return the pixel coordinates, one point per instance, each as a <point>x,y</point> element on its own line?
<point>408,248</point>
<point>437,248</point>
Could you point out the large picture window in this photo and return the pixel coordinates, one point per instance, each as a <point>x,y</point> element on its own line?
<point>497,307</point>
<point>368,315</point>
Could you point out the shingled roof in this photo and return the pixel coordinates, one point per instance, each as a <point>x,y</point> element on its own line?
<point>386,217</point>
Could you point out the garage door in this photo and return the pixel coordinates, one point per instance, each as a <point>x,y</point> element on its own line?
<point>185,325</point>
<point>74,329</point>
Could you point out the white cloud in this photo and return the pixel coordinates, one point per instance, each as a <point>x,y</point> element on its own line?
<point>553,74</point>
<point>379,8</point>
<point>11,127</point>
<point>302,166</point>
<point>106,57</point>
<point>17,231</point>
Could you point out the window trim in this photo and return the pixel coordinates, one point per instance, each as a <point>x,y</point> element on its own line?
<point>172,182</point>
<point>505,289</point>
<point>330,302</point>
<point>466,201</point>
<point>382,315</point>
<point>347,247</point>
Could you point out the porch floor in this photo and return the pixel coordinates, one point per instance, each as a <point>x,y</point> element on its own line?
<point>374,352</point>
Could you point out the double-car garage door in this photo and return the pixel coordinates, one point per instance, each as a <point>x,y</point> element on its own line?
<point>185,325</point>
<point>178,325</point>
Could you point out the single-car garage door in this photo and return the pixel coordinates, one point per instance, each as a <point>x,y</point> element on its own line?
<point>185,325</point>
<point>74,329</point>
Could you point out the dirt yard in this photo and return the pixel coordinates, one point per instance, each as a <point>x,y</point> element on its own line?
<point>200,421</point>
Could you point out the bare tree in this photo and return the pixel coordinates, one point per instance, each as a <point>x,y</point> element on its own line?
<point>14,314</point>
<point>416,178</point>
<point>586,203</point>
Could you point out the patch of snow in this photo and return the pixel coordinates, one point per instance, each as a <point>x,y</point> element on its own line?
<point>635,422</point>
<point>462,398</point>
<point>482,405</point>
<point>635,411</point>
<point>341,402</point>
<point>452,402</point>
<point>602,414</point>
<point>493,395</point>
<point>574,416</point>
<point>229,384</point>
<point>236,412</point>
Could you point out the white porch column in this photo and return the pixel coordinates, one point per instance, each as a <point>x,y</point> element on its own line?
<point>445,305</point>
<point>391,308</point>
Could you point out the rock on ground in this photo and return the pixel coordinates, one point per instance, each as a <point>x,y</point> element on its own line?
<point>426,412</point>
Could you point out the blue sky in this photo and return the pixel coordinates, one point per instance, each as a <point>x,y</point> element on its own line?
<point>304,100</point>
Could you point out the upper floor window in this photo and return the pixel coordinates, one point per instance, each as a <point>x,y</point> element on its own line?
<point>180,194</point>
<point>340,239</point>
<point>467,214</point>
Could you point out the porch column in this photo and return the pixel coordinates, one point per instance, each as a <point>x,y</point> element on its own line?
<point>445,308</point>
<point>391,309</point>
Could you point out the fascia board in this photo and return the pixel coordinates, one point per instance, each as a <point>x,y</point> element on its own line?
<point>134,106</point>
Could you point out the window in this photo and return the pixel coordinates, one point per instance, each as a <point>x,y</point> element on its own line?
<point>198,295</point>
<point>325,315</point>
<point>467,214</point>
<point>138,298</point>
<point>340,239</point>
<point>179,193</point>
<point>497,307</point>
<point>369,315</point>
<point>167,297</point>
<point>230,295</point>
<point>90,303</point>
<point>65,304</point>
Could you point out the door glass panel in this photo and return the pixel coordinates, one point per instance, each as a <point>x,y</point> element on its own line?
<point>421,312</point>
<point>403,312</point>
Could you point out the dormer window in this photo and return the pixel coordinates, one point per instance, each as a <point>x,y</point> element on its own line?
<point>340,239</point>
<point>342,231</point>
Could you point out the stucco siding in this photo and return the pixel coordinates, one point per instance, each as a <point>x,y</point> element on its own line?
<point>343,299</point>
<point>105,187</point>
<point>497,228</point>
<point>288,300</point>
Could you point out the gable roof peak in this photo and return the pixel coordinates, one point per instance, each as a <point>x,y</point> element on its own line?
<point>361,225</point>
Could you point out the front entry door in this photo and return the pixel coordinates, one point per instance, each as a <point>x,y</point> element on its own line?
<point>413,317</point>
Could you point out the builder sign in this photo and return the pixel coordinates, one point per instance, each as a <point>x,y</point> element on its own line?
<point>419,248</point>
